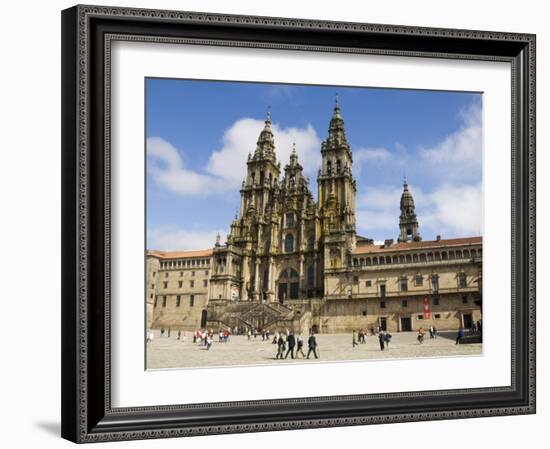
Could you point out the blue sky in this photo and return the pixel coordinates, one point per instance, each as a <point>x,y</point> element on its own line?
<point>199,134</point>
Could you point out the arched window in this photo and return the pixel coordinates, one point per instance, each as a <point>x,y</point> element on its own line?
<point>338,166</point>
<point>329,167</point>
<point>289,243</point>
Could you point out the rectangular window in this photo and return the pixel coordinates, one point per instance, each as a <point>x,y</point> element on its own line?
<point>404,303</point>
<point>205,283</point>
<point>418,279</point>
<point>191,300</point>
<point>420,317</point>
<point>181,274</point>
<point>206,273</point>
<point>289,220</point>
<point>464,299</point>
<point>166,274</point>
<point>154,273</point>
<point>368,284</point>
<point>364,313</point>
<point>152,286</point>
<point>178,300</point>
<point>437,316</point>
<point>382,304</point>
<point>180,284</point>
<point>192,284</point>
<point>435,300</point>
<point>165,284</point>
<point>404,284</point>
<point>164,301</point>
<point>462,280</point>
<point>435,283</point>
<point>151,296</point>
<point>355,278</point>
<point>192,273</point>
<point>382,290</point>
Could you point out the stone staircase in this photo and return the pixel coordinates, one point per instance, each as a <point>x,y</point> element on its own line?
<point>257,315</point>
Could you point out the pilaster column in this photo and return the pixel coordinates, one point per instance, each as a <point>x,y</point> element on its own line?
<point>245,279</point>
<point>301,272</point>
<point>256,279</point>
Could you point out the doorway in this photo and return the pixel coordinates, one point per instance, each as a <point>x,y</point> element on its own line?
<point>406,324</point>
<point>468,321</point>
<point>204,318</point>
<point>383,324</point>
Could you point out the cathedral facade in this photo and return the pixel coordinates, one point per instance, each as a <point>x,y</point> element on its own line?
<point>292,262</point>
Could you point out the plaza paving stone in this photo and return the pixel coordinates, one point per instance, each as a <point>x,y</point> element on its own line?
<point>169,352</point>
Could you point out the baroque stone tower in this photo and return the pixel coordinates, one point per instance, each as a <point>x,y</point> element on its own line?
<point>408,223</point>
<point>337,191</point>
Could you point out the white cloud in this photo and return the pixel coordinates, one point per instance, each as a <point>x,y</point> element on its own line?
<point>226,167</point>
<point>182,239</point>
<point>464,146</point>
<point>229,162</point>
<point>454,209</point>
<point>166,166</point>
<point>449,210</point>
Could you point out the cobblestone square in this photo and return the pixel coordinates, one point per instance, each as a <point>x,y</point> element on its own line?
<point>169,352</point>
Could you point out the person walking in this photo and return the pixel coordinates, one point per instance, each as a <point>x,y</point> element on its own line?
<point>312,346</point>
<point>420,336</point>
<point>381,340</point>
<point>162,331</point>
<point>459,335</point>
<point>280,347</point>
<point>431,332</point>
<point>299,346</point>
<point>208,341</point>
<point>169,332</point>
<point>354,339</point>
<point>387,339</point>
<point>291,341</point>
<point>435,332</point>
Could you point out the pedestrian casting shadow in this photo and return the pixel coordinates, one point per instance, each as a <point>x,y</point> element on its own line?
<point>53,428</point>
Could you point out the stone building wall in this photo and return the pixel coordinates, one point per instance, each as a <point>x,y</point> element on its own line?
<point>181,289</point>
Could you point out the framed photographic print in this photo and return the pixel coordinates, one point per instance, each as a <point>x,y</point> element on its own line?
<point>284,223</point>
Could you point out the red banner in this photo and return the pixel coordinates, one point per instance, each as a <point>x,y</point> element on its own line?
<point>427,311</point>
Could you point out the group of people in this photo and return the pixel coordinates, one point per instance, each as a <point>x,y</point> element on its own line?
<point>252,332</point>
<point>288,342</point>
<point>360,337</point>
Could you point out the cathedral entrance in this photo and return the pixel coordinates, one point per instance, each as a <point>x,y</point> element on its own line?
<point>288,285</point>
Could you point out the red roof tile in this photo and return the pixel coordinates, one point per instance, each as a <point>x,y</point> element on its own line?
<point>443,243</point>
<point>180,254</point>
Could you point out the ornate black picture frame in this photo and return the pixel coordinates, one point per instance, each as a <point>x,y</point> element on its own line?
<point>87,34</point>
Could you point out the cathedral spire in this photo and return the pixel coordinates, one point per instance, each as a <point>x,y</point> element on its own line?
<point>336,131</point>
<point>265,147</point>
<point>408,223</point>
<point>293,155</point>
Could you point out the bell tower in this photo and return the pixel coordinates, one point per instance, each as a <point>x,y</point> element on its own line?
<point>336,194</point>
<point>262,173</point>
<point>408,223</point>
